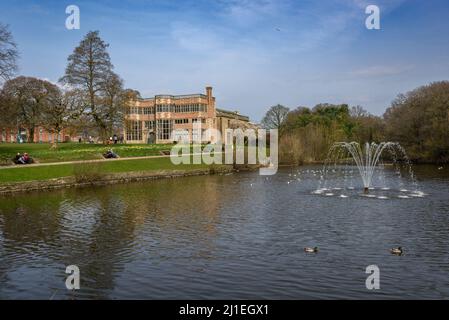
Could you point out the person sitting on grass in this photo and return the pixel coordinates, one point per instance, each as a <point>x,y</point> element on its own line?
<point>25,159</point>
<point>17,158</point>
<point>110,154</point>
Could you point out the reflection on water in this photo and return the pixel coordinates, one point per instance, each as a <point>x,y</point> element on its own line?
<point>232,236</point>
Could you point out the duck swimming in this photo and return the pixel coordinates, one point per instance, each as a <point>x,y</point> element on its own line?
<point>311,250</point>
<point>397,251</point>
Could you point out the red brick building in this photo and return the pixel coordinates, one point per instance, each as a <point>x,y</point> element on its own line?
<point>8,135</point>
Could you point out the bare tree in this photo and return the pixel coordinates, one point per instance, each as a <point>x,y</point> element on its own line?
<point>7,111</point>
<point>358,112</point>
<point>8,53</point>
<point>275,117</point>
<point>61,110</point>
<point>89,70</point>
<point>131,94</point>
<point>27,97</point>
<point>113,104</point>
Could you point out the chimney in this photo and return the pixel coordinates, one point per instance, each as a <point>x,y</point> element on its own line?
<point>209,93</point>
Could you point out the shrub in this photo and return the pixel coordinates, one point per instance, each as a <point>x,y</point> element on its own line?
<point>88,172</point>
<point>5,160</point>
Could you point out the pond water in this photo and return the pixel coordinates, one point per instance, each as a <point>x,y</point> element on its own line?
<point>221,237</point>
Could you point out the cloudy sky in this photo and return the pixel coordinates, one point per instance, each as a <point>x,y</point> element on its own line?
<point>255,53</point>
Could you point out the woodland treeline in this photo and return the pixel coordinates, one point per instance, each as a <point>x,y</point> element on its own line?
<point>418,120</point>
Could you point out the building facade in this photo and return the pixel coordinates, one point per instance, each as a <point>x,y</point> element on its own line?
<point>20,135</point>
<point>168,118</point>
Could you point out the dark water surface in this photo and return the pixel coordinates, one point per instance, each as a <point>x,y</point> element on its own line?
<point>232,236</point>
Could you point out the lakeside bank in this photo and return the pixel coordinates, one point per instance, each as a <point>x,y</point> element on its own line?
<point>107,179</point>
<point>78,165</point>
<point>78,174</point>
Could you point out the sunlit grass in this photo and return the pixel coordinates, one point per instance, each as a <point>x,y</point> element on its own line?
<point>47,172</point>
<point>42,153</point>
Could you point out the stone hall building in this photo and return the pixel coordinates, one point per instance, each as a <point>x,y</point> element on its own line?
<point>153,120</point>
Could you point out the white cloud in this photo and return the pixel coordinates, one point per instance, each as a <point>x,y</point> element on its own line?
<point>247,12</point>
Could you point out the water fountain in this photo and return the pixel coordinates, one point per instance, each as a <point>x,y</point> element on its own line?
<point>346,157</point>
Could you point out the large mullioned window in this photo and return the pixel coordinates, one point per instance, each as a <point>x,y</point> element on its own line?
<point>149,125</point>
<point>163,108</point>
<point>148,110</point>
<point>182,108</point>
<point>133,130</point>
<point>134,110</point>
<point>164,129</point>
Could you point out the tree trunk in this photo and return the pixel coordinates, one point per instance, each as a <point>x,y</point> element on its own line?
<point>54,144</point>
<point>104,133</point>
<point>31,134</point>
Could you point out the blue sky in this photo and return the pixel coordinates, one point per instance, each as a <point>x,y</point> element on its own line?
<point>254,53</point>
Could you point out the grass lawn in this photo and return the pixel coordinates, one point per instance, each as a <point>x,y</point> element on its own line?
<point>74,151</point>
<point>66,170</point>
<point>42,153</point>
